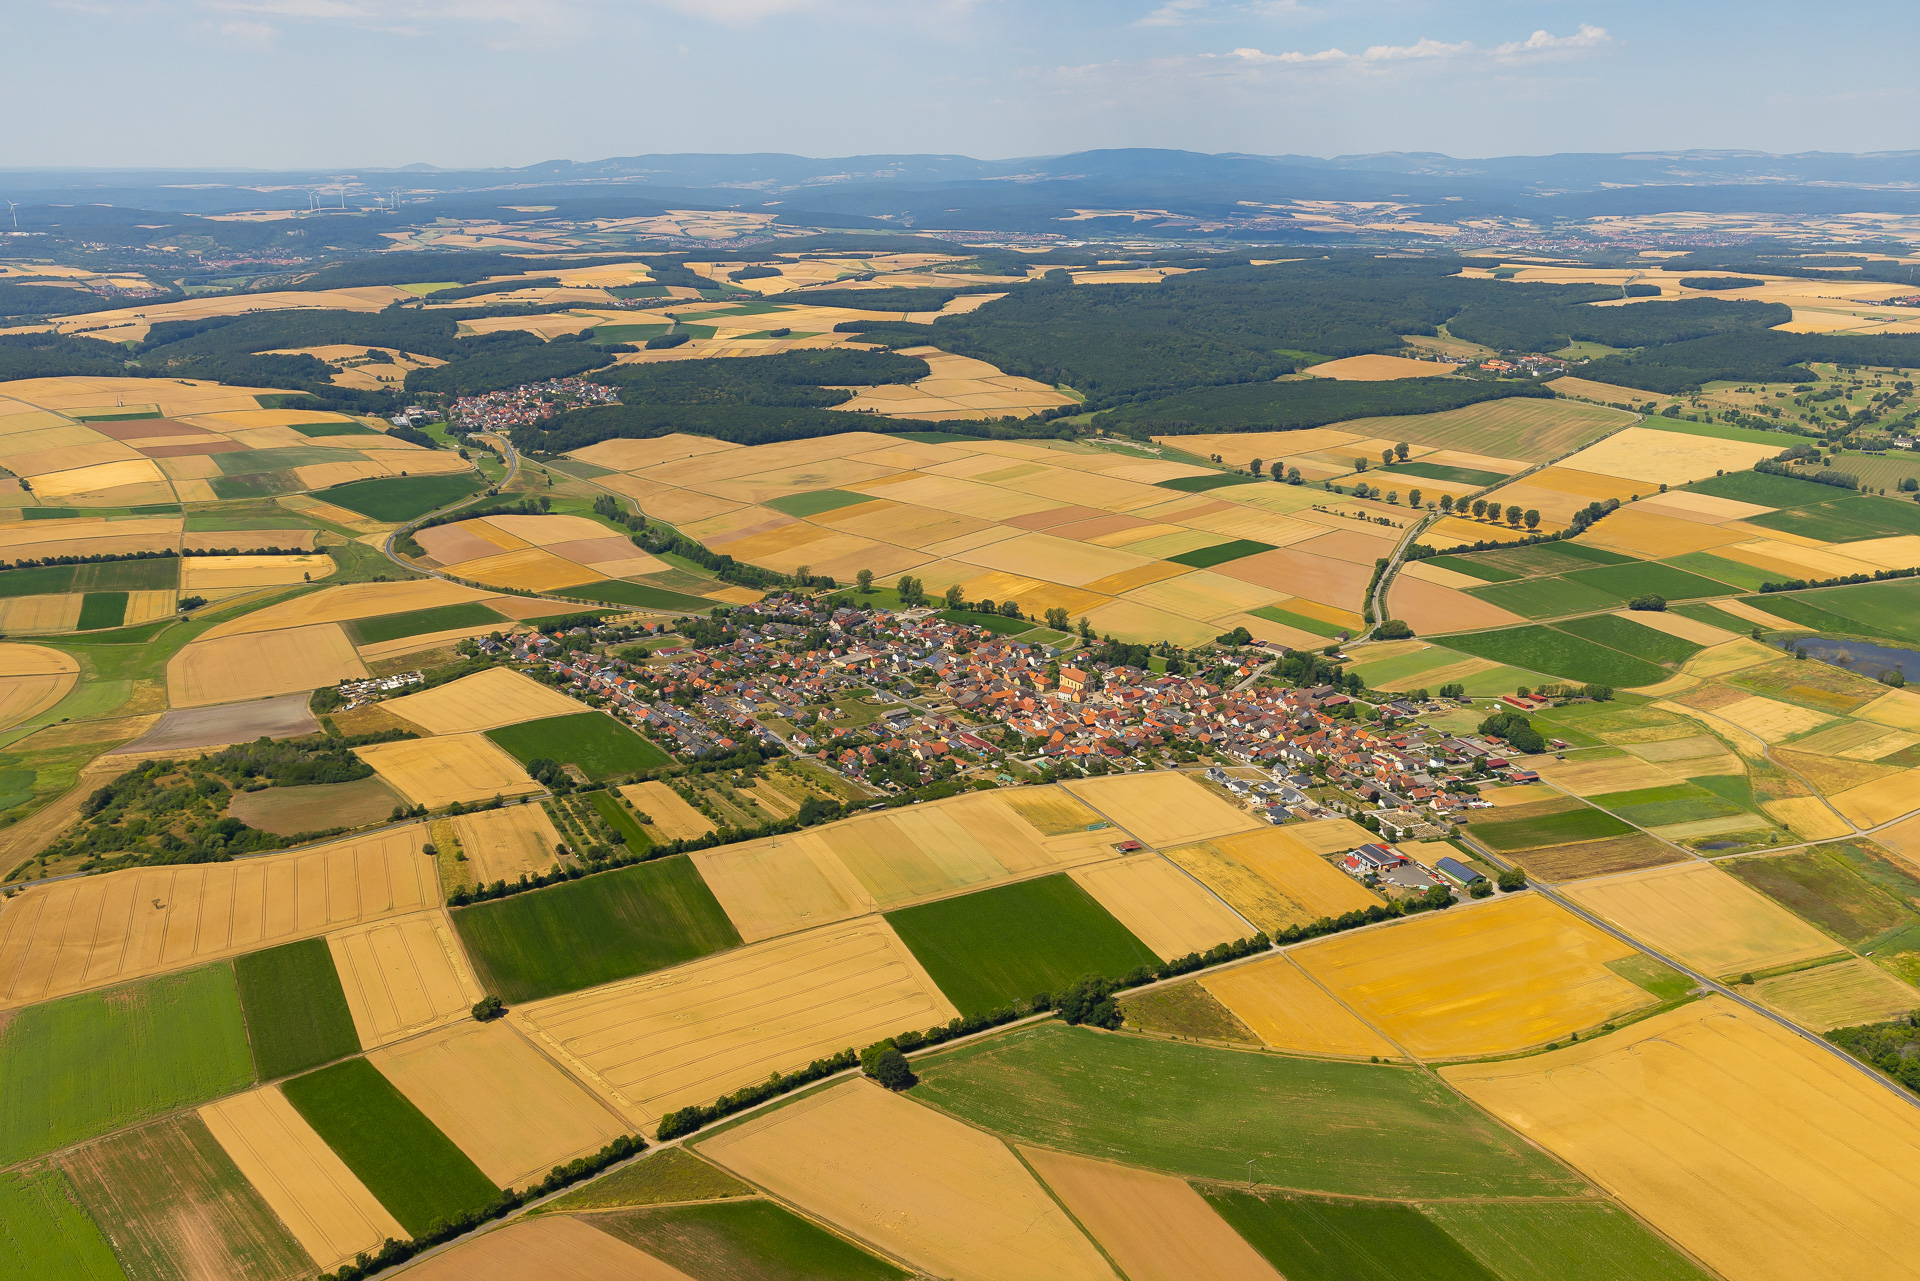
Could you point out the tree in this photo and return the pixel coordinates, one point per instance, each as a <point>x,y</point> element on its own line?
<point>892,1071</point>
<point>1057,619</point>
<point>1894,677</point>
<point>1393,495</point>
<point>1359,464</point>
<point>1650,602</point>
<point>1085,629</point>
<point>1446,502</point>
<point>1532,519</point>
<point>1598,693</point>
<point>1513,514</point>
<point>864,579</point>
<point>1386,457</point>
<point>1479,508</point>
<point>1255,466</point>
<point>1010,609</point>
<point>1413,498</point>
<point>1293,475</point>
<point>1402,449</point>
<point>488,1008</point>
<point>910,590</point>
<point>1514,878</point>
<point>954,598</point>
<point>803,575</point>
<point>1392,629</point>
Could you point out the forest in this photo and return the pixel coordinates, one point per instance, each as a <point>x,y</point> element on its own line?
<point>1285,406</point>
<point>1762,356</point>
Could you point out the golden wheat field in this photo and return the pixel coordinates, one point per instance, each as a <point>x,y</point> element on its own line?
<point>1704,917</point>
<point>1288,1010</point>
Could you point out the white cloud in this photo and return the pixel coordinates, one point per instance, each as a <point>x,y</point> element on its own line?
<point>1174,13</point>
<point>1588,37</point>
<point>1427,49</point>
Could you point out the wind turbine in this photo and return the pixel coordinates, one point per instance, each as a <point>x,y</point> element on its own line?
<point>13,207</point>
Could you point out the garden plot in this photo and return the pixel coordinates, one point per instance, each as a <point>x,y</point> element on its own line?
<point>499,1099</point>
<point>402,976</point>
<point>1290,1011</point>
<point>235,668</point>
<point>485,700</point>
<point>436,772</point>
<point>1760,1154</point>
<point>941,1195</point>
<point>1489,979</point>
<point>1704,917</point>
<point>686,1035</point>
<point>70,936</point>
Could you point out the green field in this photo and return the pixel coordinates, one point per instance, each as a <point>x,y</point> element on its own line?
<point>1200,484</point>
<point>815,501</point>
<point>84,1065</point>
<point>1583,824</point>
<point>44,1233</point>
<point>994,947</point>
<point>582,933</point>
<point>149,1188</point>
<point>1542,649</point>
<point>153,574</point>
<point>621,820</point>
<point>1706,564</point>
<point>1316,626</point>
<point>1346,1129</point>
<point>998,624</point>
<point>594,741</point>
<point>1565,555</point>
<point>1309,1239</point>
<point>1473,567</point>
<point>745,1241</point>
<point>665,1176</point>
<point>403,1158</point>
<point>420,622</point>
<point>41,580</point>
<point>296,1010</point>
<point>1765,489</point>
<point>1546,597</point>
<point>1564,1242</point>
<point>1440,471</point>
<point>1630,637</point>
<point>101,610</point>
<point>1221,553</point>
<point>1827,888</point>
<point>604,335</point>
<point>1890,609</point>
<point>1674,803</point>
<point>395,499</point>
<point>618,591</point>
<point>1644,577</point>
<point>334,429</point>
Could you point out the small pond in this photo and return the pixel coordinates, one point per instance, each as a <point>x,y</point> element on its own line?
<point>1862,657</point>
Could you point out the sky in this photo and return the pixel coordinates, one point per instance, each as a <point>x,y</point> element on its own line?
<point>488,83</point>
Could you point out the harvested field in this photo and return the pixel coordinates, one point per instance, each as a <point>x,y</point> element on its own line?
<point>1771,721</point>
<point>1842,995</point>
<point>328,1210</point>
<point>401,1157</point>
<point>1666,457</point>
<point>435,772</point>
<point>499,1099</point>
<point>1762,1155</point>
<point>689,1034</point>
<point>221,726</point>
<point>224,573</point>
<point>1289,1011</point>
<point>234,668</point>
<point>175,1205</point>
<point>1200,1112</point>
<point>1880,801</point>
<point>1161,905</point>
<point>944,1197</point>
<point>1703,916</point>
<point>778,885</point>
<point>1490,979</point>
<point>402,976</point>
<point>673,819</point>
<point>348,602</point>
<point>1584,775</point>
<point>486,700</point>
<point>1155,1227</point>
<point>553,1248</point>
<point>32,680</point>
<point>500,844</point>
<point>581,933</point>
<point>1273,877</point>
<point>993,947</point>
<point>69,936</point>
<point>1162,808</point>
<point>90,1064</point>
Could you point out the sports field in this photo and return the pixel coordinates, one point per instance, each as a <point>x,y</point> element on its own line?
<point>85,1065</point>
<point>582,933</point>
<point>403,1159</point>
<point>995,947</point>
<point>1343,1128</point>
<point>1764,1156</point>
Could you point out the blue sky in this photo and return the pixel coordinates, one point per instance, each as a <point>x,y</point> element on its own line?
<point>508,82</point>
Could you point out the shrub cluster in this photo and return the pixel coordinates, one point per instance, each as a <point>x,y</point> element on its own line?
<point>394,1252</point>
<point>95,559</point>
<point>1877,576</point>
<point>686,1120</point>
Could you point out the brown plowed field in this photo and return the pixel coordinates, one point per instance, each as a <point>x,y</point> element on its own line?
<point>950,1200</point>
<point>72,936</point>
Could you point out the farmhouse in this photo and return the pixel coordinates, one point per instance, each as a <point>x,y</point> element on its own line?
<point>1457,872</point>
<point>1374,858</point>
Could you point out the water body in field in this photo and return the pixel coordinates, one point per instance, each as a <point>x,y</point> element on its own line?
<point>1862,658</point>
